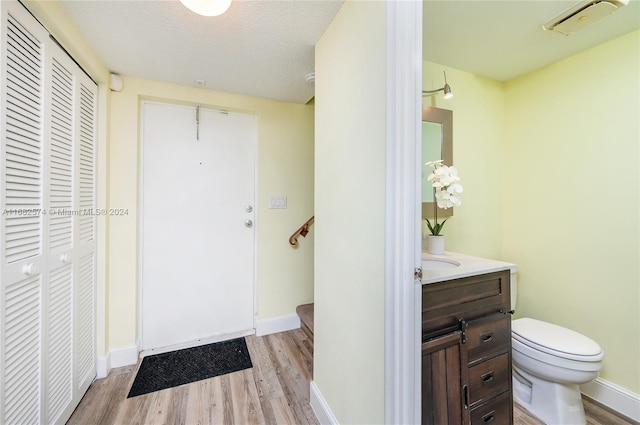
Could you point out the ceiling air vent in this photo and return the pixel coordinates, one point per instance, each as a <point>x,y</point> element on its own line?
<point>584,14</point>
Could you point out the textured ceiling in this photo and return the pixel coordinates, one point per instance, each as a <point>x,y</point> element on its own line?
<point>260,48</point>
<point>265,48</point>
<point>502,39</point>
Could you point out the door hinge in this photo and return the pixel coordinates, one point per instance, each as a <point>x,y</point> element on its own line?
<point>417,273</point>
<point>463,328</point>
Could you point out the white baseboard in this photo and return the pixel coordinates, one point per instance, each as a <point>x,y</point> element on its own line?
<point>614,397</point>
<point>277,324</point>
<point>124,356</point>
<point>117,357</point>
<point>320,407</point>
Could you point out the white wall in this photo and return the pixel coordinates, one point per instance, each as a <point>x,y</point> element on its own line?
<point>350,213</point>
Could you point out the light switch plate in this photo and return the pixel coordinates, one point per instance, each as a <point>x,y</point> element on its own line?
<point>279,202</point>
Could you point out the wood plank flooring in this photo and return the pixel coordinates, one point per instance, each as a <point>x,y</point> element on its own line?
<point>275,392</point>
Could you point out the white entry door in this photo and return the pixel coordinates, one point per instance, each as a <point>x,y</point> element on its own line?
<point>198,196</point>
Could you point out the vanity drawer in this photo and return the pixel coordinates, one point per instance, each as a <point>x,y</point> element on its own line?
<point>488,378</point>
<point>497,411</point>
<point>488,337</point>
<point>445,303</point>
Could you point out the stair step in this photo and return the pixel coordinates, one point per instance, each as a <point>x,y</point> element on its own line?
<point>305,312</point>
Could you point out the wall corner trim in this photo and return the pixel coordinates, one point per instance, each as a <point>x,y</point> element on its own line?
<point>277,324</point>
<point>320,407</point>
<point>614,397</point>
<point>103,366</point>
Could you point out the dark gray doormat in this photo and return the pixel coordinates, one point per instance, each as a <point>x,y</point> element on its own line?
<point>180,367</point>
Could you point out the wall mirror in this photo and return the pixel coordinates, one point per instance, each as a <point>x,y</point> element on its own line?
<point>437,143</point>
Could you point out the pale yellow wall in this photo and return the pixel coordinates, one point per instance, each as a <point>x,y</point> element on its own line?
<point>285,167</point>
<point>350,220</point>
<point>571,204</point>
<point>478,125</point>
<point>550,166</point>
<point>51,14</point>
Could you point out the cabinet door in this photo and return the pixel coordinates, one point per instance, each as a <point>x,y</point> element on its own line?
<point>442,376</point>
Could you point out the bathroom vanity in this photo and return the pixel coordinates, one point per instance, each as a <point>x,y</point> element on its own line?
<point>466,341</point>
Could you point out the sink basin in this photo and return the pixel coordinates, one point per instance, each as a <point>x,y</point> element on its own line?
<point>439,264</point>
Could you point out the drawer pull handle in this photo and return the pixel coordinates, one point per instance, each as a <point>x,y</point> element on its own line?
<point>487,377</point>
<point>465,390</point>
<point>486,338</point>
<point>489,417</point>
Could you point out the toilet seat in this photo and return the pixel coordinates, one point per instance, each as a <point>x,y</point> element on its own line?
<point>555,341</point>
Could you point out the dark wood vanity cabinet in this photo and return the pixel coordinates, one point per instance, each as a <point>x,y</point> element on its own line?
<point>466,351</point>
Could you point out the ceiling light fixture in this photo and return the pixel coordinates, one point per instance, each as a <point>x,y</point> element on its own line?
<point>207,7</point>
<point>448,94</point>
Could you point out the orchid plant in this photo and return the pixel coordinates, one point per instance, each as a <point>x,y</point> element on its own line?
<point>446,190</point>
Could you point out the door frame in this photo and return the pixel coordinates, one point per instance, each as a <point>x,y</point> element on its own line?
<point>140,228</point>
<point>403,239</point>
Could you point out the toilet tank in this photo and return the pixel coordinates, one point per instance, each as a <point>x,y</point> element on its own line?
<point>514,288</point>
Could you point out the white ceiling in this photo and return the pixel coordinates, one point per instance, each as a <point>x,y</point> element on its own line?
<point>503,39</point>
<point>261,48</point>
<point>265,48</point>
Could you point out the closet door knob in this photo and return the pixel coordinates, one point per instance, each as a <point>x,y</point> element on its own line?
<point>29,269</point>
<point>248,223</point>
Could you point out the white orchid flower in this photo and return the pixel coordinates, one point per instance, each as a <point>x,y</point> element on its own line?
<point>444,200</point>
<point>455,188</point>
<point>445,189</point>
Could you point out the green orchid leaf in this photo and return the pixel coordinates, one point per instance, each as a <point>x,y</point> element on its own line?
<point>430,226</point>
<point>438,227</point>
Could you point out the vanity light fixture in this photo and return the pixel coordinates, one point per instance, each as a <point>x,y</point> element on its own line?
<point>446,89</point>
<point>207,7</point>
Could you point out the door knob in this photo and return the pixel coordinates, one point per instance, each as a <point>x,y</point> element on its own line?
<point>29,269</point>
<point>248,208</point>
<point>248,223</point>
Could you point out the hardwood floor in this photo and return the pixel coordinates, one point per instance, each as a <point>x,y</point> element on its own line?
<point>275,391</point>
<point>595,413</point>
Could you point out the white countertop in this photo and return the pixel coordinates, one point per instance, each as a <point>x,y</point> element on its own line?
<point>469,266</point>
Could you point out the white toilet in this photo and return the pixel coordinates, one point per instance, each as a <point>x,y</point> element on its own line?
<point>549,362</point>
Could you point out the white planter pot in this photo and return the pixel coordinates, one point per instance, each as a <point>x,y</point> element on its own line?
<point>435,244</point>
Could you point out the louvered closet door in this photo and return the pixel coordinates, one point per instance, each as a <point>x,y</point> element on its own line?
<point>69,170</point>
<point>22,224</point>
<point>85,234</point>
<point>59,194</point>
<point>47,318</point>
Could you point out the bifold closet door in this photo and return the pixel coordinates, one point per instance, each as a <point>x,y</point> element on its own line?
<point>47,250</point>
<point>197,216</point>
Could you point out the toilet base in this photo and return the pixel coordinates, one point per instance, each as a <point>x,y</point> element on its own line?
<point>551,402</point>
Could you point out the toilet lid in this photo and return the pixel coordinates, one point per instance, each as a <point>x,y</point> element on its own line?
<point>556,340</point>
